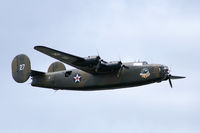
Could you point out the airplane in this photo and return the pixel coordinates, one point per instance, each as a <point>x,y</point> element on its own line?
<point>91,74</point>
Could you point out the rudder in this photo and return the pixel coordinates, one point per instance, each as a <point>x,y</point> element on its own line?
<point>56,66</point>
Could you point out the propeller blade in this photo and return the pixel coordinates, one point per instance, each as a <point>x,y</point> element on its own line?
<point>125,67</point>
<point>98,66</point>
<point>176,77</point>
<point>170,82</point>
<point>119,72</point>
<point>104,61</point>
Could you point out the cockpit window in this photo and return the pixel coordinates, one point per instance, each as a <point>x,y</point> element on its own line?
<point>140,63</point>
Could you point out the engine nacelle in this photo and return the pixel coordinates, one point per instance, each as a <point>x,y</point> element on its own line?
<point>93,60</point>
<point>115,65</point>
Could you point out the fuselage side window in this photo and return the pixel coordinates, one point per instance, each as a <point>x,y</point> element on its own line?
<point>68,73</point>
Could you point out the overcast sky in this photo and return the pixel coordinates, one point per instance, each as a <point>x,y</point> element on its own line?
<point>159,31</point>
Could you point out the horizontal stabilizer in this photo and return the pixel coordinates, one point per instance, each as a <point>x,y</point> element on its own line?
<point>37,73</point>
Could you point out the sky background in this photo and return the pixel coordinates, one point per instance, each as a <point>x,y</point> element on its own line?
<point>158,31</point>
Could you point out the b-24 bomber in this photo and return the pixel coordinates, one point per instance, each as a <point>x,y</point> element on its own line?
<point>90,73</point>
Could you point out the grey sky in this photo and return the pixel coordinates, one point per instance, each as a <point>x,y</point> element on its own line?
<point>159,31</point>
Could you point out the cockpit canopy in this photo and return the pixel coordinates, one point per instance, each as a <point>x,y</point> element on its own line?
<point>140,63</point>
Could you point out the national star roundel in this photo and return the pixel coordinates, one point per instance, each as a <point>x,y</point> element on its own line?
<point>77,78</point>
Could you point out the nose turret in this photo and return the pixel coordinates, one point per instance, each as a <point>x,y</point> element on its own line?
<point>164,72</point>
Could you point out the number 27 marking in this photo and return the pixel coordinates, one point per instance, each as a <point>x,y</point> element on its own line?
<point>21,67</point>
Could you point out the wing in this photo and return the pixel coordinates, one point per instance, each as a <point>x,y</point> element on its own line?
<point>78,62</point>
<point>90,64</point>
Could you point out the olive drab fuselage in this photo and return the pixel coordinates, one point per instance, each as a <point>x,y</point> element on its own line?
<point>80,80</point>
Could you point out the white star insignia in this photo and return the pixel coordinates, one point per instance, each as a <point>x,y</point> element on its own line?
<point>77,78</point>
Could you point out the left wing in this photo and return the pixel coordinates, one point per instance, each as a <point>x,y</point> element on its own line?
<point>88,64</point>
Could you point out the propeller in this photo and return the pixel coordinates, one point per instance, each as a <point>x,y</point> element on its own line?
<point>100,61</point>
<point>99,64</point>
<point>170,77</point>
<point>121,68</point>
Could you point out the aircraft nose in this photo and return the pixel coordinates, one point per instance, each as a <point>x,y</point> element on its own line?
<point>164,71</point>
